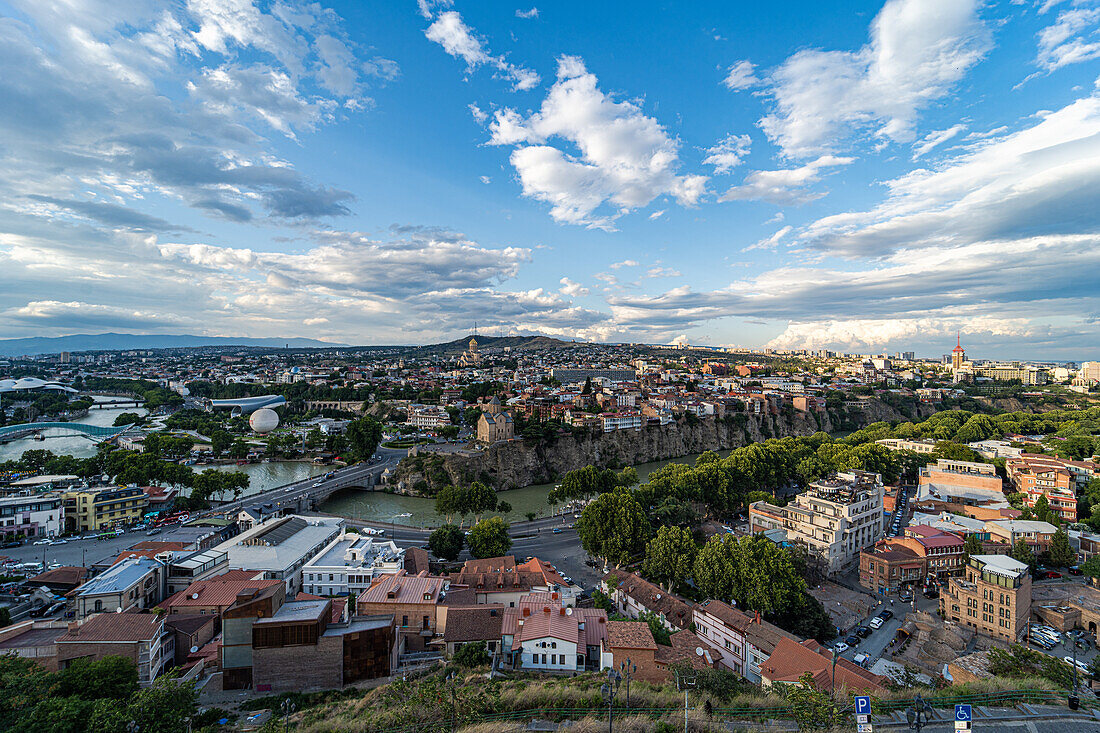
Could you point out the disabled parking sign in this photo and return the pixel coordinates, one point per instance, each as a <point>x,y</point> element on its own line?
<point>964,717</point>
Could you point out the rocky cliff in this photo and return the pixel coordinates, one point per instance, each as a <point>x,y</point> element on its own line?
<point>522,463</point>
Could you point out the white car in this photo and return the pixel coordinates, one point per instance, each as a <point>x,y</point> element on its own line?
<point>876,623</point>
<point>60,542</point>
<point>840,647</point>
<point>41,542</point>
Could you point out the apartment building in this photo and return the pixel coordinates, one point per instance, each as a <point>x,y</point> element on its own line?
<point>1037,535</point>
<point>738,641</point>
<point>428,417</point>
<point>349,564</point>
<point>93,510</point>
<point>143,638</point>
<point>134,583</point>
<point>30,516</point>
<point>993,597</point>
<point>923,552</point>
<point>834,519</point>
<point>610,421</point>
<point>501,580</point>
<point>925,445</point>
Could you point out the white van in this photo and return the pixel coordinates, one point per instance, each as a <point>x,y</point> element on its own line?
<point>1081,666</point>
<point>863,660</point>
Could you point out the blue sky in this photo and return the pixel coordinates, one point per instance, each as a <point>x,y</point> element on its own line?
<point>857,176</point>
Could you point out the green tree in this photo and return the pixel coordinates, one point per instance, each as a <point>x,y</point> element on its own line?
<point>363,437</point>
<point>5,617</point>
<point>472,654</point>
<point>489,538</point>
<point>972,546</point>
<point>480,499</point>
<point>446,542</point>
<point>238,449</point>
<point>1062,554</point>
<point>220,441</point>
<point>1091,567</point>
<point>752,571</point>
<point>1022,552</point>
<point>670,556</point>
<point>110,677</point>
<point>614,527</point>
<point>1043,512</point>
<point>812,708</point>
<point>657,627</point>
<point>128,418</point>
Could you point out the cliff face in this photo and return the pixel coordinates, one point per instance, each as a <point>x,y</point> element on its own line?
<point>522,463</point>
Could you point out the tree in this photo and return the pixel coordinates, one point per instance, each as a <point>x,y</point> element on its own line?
<point>1062,554</point>
<point>479,499</point>
<point>1043,512</point>
<point>220,442</point>
<point>1091,567</point>
<point>1022,552</point>
<point>128,418</point>
<point>812,708</point>
<point>752,571</point>
<point>657,627</point>
<point>446,542</point>
<point>972,546</point>
<point>5,617</point>
<point>363,437</point>
<point>110,677</point>
<point>238,449</point>
<point>614,527</point>
<point>472,654</point>
<point>670,556</point>
<point>489,538</point>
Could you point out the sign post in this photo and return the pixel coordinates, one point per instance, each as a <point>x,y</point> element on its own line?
<point>964,717</point>
<point>863,715</point>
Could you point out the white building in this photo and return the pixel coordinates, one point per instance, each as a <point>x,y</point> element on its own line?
<point>917,446</point>
<point>428,417</point>
<point>280,548</point>
<point>30,516</point>
<point>350,564</point>
<point>620,421</point>
<point>835,519</point>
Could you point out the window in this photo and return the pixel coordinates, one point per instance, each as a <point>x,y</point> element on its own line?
<point>404,620</point>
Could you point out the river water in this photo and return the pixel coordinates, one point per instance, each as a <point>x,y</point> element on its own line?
<point>381,506</point>
<point>73,445</point>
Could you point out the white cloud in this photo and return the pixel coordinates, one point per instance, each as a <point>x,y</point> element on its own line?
<point>788,186</point>
<point>479,115</point>
<point>656,214</point>
<point>572,289</point>
<point>728,153</point>
<point>663,272</point>
<point>427,8</point>
<point>458,40</point>
<point>1071,39</point>
<point>624,263</point>
<point>919,50</point>
<point>1044,179</point>
<point>741,75</point>
<point>532,13</point>
<point>936,138</point>
<point>486,180</point>
<point>625,160</point>
<point>877,334</point>
<point>770,242</point>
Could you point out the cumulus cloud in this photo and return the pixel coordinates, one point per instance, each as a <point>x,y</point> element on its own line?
<point>624,263</point>
<point>918,51</point>
<point>741,75</point>
<point>460,41</point>
<point>787,186</point>
<point>572,289</point>
<point>878,334</point>
<point>531,13</point>
<point>728,153</point>
<point>626,159</point>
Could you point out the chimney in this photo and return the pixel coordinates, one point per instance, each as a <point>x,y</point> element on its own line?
<point>526,612</point>
<point>74,628</point>
<point>561,611</point>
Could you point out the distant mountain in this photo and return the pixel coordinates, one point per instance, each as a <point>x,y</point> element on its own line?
<point>123,341</point>
<point>515,343</point>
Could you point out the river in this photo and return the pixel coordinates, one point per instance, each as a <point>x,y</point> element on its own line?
<point>73,445</point>
<point>382,506</point>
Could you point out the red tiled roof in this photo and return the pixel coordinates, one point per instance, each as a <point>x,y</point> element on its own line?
<point>791,660</point>
<point>405,589</point>
<point>214,592</point>
<point>477,623</point>
<point>630,635</point>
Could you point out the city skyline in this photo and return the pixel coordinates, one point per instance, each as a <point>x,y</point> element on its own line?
<point>868,179</point>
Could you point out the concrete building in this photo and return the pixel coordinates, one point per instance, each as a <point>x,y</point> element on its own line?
<point>93,510</point>
<point>235,654</point>
<point>349,564</point>
<point>947,475</point>
<point>994,597</point>
<point>281,547</point>
<point>924,445</point>
<point>835,519</point>
<point>134,583</point>
<point>1037,535</point>
<point>30,516</point>
<point>579,375</point>
<point>610,421</point>
<point>142,638</point>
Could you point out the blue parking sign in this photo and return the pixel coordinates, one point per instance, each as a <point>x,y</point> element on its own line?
<point>863,706</point>
<point>963,713</point>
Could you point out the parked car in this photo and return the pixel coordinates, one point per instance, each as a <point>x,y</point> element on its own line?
<point>852,640</point>
<point>840,647</point>
<point>55,608</point>
<point>876,623</point>
<point>1050,575</point>
<point>153,531</point>
<point>14,543</point>
<point>1074,570</point>
<point>863,631</point>
<point>886,615</point>
<point>39,542</point>
<point>862,659</point>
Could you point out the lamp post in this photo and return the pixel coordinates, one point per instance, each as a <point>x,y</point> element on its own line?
<point>287,707</point>
<point>684,683</point>
<point>628,669</point>
<point>608,690</point>
<point>918,713</point>
<point>1074,701</point>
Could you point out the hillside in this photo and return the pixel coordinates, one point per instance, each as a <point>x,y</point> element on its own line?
<point>123,341</point>
<point>514,343</point>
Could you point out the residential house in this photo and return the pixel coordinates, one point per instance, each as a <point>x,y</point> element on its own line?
<point>143,638</point>
<point>791,660</point>
<point>541,634</point>
<point>413,600</point>
<point>135,583</point>
<point>350,563</point>
<point>633,596</point>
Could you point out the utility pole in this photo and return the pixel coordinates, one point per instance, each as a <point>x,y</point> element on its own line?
<point>684,683</point>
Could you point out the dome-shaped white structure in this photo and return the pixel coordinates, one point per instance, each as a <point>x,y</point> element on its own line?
<point>264,420</point>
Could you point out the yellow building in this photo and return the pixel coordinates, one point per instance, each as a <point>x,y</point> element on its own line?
<point>98,509</point>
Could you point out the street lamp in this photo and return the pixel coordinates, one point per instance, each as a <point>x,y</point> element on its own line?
<point>1074,701</point>
<point>608,690</point>
<point>684,683</point>
<point>628,669</point>
<point>287,707</point>
<point>918,713</point>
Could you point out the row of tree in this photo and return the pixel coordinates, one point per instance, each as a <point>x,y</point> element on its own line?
<point>488,538</point>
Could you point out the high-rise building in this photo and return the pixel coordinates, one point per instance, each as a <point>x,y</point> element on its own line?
<point>958,354</point>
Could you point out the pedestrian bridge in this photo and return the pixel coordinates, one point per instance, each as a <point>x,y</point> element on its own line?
<point>94,432</point>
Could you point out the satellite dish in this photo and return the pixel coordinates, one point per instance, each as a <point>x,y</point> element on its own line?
<point>194,649</point>
<point>569,611</point>
<point>194,596</point>
<point>118,610</point>
<point>698,651</point>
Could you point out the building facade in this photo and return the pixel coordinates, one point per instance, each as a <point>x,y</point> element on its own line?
<point>94,510</point>
<point>994,597</point>
<point>349,564</point>
<point>31,516</point>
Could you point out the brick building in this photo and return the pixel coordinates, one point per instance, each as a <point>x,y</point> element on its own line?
<point>922,552</point>
<point>994,597</point>
<point>413,600</point>
<point>142,638</point>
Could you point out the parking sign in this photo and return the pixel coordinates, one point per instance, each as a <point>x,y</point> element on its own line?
<point>863,705</point>
<point>963,713</point>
